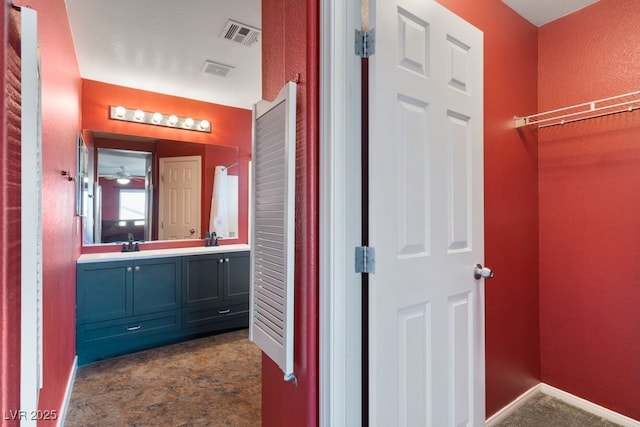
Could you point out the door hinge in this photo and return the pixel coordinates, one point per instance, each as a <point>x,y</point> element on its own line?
<point>365,43</point>
<point>365,259</point>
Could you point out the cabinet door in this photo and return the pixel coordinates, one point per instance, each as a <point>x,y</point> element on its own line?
<point>236,277</point>
<point>156,285</point>
<point>103,291</point>
<point>202,284</point>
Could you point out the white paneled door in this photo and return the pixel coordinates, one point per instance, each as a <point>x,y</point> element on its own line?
<point>426,220</point>
<point>180,197</point>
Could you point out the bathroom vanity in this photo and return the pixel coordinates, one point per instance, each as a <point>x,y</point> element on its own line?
<point>131,301</point>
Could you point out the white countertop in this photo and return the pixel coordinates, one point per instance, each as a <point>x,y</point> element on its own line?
<point>160,253</point>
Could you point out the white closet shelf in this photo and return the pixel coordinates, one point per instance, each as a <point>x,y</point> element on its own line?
<point>588,110</point>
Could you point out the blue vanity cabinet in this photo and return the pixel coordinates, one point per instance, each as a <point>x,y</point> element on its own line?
<point>202,281</point>
<point>104,291</point>
<point>215,291</point>
<point>156,285</point>
<point>133,304</point>
<point>124,306</point>
<point>236,272</point>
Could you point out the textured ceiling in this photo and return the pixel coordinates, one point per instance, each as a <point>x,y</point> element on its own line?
<point>540,12</point>
<point>161,46</point>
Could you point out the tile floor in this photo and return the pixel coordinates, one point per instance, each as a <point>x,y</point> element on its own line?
<point>212,381</point>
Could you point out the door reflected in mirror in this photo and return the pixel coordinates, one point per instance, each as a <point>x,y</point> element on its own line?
<point>159,190</point>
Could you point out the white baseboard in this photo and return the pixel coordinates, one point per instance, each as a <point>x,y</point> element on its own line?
<point>67,395</point>
<point>589,406</point>
<point>511,407</point>
<point>565,397</point>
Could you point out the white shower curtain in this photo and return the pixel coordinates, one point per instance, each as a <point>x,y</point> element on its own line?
<point>218,220</point>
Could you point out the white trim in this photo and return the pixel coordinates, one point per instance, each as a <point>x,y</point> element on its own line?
<point>568,398</point>
<point>340,215</point>
<point>31,219</point>
<point>67,395</point>
<point>589,406</point>
<point>513,406</point>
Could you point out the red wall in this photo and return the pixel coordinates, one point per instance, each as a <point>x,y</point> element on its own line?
<point>61,92</point>
<point>511,199</point>
<point>290,47</point>
<point>590,209</point>
<point>61,123</point>
<point>231,127</point>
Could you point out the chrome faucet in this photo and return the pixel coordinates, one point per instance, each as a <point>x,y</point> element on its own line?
<point>211,239</point>
<point>130,247</point>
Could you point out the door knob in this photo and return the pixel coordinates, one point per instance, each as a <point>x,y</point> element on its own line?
<point>192,231</point>
<point>480,272</point>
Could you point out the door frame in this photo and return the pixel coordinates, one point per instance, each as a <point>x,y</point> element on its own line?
<point>340,215</point>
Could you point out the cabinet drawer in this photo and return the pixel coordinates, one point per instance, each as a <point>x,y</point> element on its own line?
<point>101,340</point>
<point>201,317</point>
<point>134,326</point>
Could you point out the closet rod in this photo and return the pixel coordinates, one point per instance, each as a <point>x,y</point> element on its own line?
<point>588,110</point>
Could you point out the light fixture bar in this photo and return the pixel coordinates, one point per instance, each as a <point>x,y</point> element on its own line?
<point>117,112</point>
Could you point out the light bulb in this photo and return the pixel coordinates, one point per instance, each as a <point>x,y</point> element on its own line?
<point>188,122</point>
<point>123,181</point>
<point>156,118</point>
<point>204,124</point>
<point>138,115</point>
<point>173,120</point>
<point>120,111</point>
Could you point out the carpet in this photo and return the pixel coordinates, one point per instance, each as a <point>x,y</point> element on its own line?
<point>545,411</point>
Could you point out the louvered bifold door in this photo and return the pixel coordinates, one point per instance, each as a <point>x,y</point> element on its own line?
<point>272,231</point>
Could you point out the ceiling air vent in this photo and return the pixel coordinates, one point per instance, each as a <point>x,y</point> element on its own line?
<point>240,33</point>
<point>216,68</point>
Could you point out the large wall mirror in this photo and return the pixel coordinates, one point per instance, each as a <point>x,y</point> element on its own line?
<point>146,189</point>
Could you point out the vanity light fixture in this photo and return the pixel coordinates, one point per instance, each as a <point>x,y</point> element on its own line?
<point>159,119</point>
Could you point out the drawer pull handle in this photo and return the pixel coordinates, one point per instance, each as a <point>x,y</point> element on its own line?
<point>128,268</point>
<point>133,328</point>
<point>226,260</point>
<point>227,311</point>
<point>137,268</point>
<point>221,261</point>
